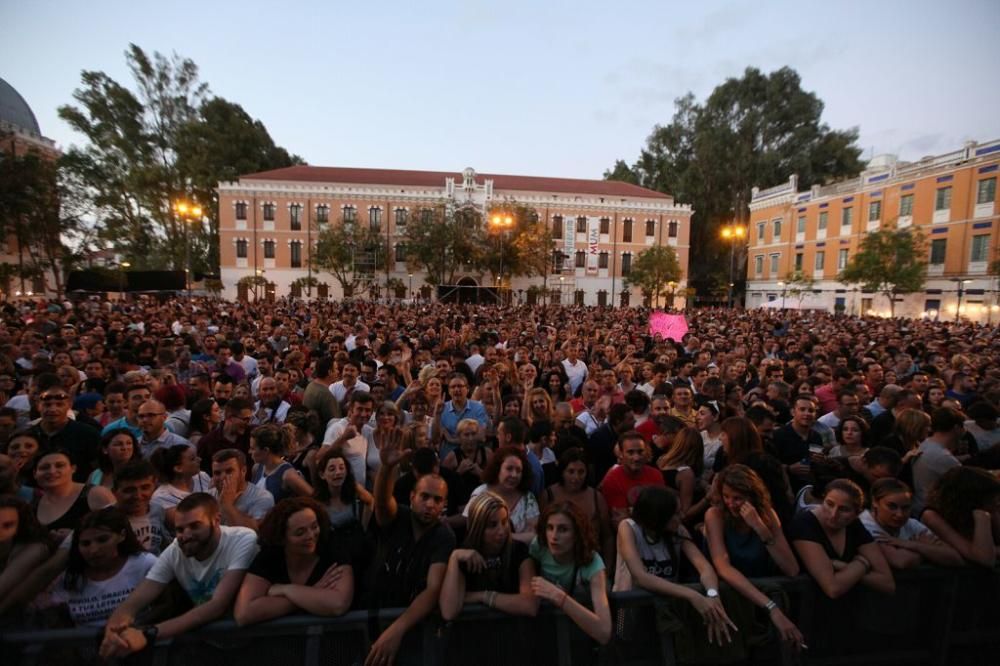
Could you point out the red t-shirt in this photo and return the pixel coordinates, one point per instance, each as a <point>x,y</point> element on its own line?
<point>618,485</point>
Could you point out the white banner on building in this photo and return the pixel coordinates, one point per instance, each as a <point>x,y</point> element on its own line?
<point>569,238</point>
<point>593,238</point>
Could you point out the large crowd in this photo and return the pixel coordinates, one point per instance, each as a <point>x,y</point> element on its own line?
<point>165,463</point>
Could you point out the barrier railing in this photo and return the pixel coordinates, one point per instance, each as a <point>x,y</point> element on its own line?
<point>937,616</point>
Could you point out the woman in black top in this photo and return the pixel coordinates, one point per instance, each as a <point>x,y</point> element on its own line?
<point>64,502</point>
<point>299,567</point>
<point>492,568</point>
<point>835,548</point>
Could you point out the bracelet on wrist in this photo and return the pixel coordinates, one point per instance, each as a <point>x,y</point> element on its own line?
<point>770,605</point>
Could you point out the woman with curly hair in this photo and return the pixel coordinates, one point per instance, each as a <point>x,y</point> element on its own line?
<point>538,406</point>
<point>565,550</point>
<point>299,567</point>
<point>554,383</point>
<point>745,541</point>
<point>850,434</point>
<point>964,511</point>
<point>345,502</point>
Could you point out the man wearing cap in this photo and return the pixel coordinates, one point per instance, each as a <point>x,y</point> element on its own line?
<point>55,430</point>
<point>88,408</point>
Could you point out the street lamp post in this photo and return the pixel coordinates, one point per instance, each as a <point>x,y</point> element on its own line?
<point>188,213</point>
<point>121,279</point>
<point>732,233</point>
<point>411,288</point>
<point>961,292</point>
<point>503,223</point>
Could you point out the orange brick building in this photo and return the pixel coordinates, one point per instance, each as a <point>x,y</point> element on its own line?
<point>20,135</point>
<point>951,197</point>
<point>268,220</point>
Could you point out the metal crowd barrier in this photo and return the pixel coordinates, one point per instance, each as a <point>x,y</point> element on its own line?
<point>937,616</point>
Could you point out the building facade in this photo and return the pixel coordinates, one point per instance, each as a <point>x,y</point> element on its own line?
<point>20,135</point>
<point>269,222</point>
<point>950,197</point>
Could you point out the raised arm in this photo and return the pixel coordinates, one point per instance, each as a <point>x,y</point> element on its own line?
<point>391,453</point>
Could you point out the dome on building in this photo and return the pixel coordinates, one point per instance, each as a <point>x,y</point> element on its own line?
<point>15,111</point>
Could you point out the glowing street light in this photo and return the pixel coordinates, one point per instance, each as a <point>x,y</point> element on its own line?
<point>189,213</point>
<point>733,233</point>
<point>503,222</point>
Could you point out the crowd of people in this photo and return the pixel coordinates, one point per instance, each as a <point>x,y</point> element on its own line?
<point>165,463</point>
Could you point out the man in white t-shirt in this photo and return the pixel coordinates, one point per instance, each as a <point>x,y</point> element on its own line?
<point>353,434</point>
<point>576,370</point>
<point>207,560</point>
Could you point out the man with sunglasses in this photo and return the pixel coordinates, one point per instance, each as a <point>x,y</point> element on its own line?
<point>56,430</point>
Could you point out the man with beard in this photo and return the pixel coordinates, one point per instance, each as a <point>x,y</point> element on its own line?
<point>206,559</point>
<point>270,408</point>
<point>412,555</point>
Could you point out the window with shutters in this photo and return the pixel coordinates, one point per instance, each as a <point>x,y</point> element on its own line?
<point>581,259</point>
<point>269,249</point>
<point>627,231</point>
<point>241,210</point>
<point>241,249</point>
<point>269,212</point>
<point>296,250</point>
<point>557,227</point>
<point>626,264</point>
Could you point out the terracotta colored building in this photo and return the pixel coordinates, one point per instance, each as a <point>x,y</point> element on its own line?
<point>19,135</point>
<point>951,197</point>
<point>268,221</point>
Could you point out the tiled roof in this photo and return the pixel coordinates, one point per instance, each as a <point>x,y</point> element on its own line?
<point>314,174</point>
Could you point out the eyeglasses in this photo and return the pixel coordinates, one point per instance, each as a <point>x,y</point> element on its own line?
<point>150,415</point>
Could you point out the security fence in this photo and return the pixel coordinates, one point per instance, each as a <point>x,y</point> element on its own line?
<point>936,616</point>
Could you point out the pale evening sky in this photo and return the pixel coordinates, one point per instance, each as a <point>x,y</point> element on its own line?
<point>553,88</point>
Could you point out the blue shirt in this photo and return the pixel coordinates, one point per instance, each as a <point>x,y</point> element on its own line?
<point>123,423</point>
<point>473,410</point>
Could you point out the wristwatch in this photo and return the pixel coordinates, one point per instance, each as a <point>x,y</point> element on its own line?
<point>711,593</point>
<point>150,632</point>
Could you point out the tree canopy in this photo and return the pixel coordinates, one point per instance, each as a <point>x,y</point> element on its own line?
<point>754,130</point>
<point>889,262</point>
<point>164,139</point>
<point>653,271</point>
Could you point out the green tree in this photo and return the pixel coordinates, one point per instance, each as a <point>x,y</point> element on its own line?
<point>527,241</point>
<point>751,131</point>
<point>32,187</point>
<point>443,243</point>
<point>146,147</point>
<point>653,271</point>
<point>352,253</point>
<point>798,284</point>
<point>890,262</point>
<point>222,143</point>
